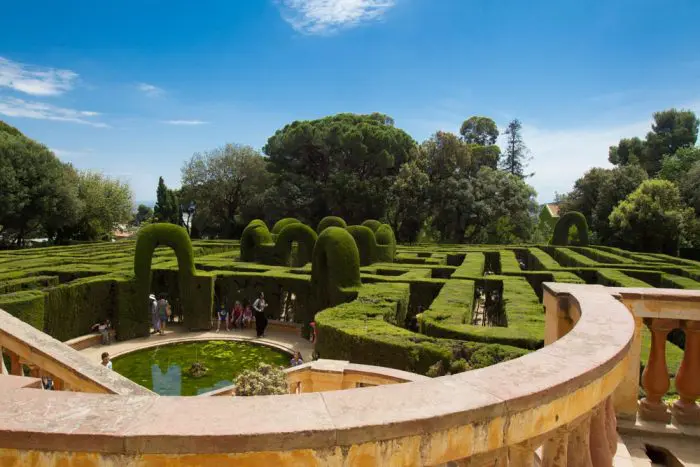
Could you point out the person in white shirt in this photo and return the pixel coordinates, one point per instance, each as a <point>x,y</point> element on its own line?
<point>106,361</point>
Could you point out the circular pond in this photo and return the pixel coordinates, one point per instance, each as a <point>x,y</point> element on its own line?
<point>167,369</point>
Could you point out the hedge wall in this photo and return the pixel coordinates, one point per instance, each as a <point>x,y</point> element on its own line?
<point>330,221</point>
<point>27,305</point>
<point>561,229</point>
<point>335,270</point>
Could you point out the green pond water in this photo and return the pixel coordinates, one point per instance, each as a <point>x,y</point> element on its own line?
<point>164,369</point>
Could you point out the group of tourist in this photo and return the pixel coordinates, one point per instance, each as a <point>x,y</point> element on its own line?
<point>241,315</point>
<point>160,313</point>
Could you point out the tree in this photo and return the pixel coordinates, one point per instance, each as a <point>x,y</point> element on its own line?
<point>167,208</point>
<point>341,165</point>
<point>479,130</point>
<point>409,205</point>
<point>690,187</point>
<point>621,182</point>
<point>675,166</point>
<point>105,202</point>
<point>584,197</point>
<point>672,130</point>
<point>143,214</point>
<point>227,185</point>
<point>516,156</point>
<point>652,218</point>
<point>32,186</point>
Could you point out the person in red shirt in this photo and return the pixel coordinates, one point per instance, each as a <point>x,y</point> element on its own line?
<point>237,316</point>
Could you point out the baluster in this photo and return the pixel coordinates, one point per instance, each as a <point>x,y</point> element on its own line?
<point>15,365</point>
<point>521,455</point>
<point>578,451</point>
<point>600,450</point>
<point>685,410</point>
<point>611,425</point>
<point>554,449</point>
<point>655,380</point>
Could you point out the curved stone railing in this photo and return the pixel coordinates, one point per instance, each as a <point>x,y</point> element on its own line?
<point>558,398</point>
<point>661,311</point>
<point>334,375</point>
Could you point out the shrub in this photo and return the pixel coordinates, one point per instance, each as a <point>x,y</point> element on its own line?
<point>335,270</point>
<point>282,223</point>
<point>386,244</point>
<point>366,243</point>
<point>254,236</point>
<point>265,380</point>
<point>372,224</point>
<point>330,221</point>
<point>295,232</point>
<point>561,229</point>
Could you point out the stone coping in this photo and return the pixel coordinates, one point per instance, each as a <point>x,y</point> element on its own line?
<point>513,401</point>
<point>38,345</point>
<point>336,366</point>
<point>224,337</point>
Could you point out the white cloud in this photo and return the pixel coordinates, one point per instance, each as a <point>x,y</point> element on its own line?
<point>69,153</point>
<point>34,80</point>
<point>327,16</point>
<point>150,90</point>
<point>13,107</point>
<point>185,122</point>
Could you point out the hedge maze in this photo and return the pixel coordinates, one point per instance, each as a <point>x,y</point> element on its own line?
<point>431,309</point>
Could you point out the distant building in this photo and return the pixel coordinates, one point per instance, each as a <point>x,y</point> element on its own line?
<point>549,214</point>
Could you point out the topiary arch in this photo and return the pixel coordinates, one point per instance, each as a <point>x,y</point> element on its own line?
<point>366,243</point>
<point>386,244</point>
<point>305,238</point>
<point>282,223</point>
<point>330,221</point>
<point>335,268</point>
<point>196,312</point>
<point>372,224</point>
<point>254,236</point>
<point>561,229</point>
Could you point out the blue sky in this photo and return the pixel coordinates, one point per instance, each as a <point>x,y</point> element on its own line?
<point>134,88</point>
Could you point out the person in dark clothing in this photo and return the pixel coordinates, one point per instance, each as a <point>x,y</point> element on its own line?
<point>260,319</point>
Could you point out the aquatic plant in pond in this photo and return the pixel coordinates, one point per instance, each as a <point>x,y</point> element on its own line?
<point>166,369</point>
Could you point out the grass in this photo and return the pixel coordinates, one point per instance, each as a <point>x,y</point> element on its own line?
<point>163,369</point>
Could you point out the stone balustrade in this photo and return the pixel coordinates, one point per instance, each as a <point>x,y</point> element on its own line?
<point>661,311</point>
<point>28,348</point>
<point>553,407</point>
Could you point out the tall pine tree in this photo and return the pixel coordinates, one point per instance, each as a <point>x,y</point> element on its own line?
<point>167,207</point>
<point>516,154</point>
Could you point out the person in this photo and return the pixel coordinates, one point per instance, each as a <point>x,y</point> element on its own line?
<point>223,318</point>
<point>247,315</point>
<point>103,328</point>
<point>106,361</point>
<point>296,359</point>
<point>155,319</point>
<point>237,315</point>
<point>47,383</point>
<point>260,320</point>
<point>163,307</point>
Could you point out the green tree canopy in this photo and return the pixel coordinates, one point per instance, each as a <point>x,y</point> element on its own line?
<point>675,166</point>
<point>143,214</point>
<point>652,218</point>
<point>167,208</point>
<point>225,184</point>
<point>515,157</point>
<point>33,187</point>
<point>341,165</point>
<point>479,130</point>
<point>672,130</point>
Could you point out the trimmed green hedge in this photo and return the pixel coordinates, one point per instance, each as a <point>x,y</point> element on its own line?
<point>27,305</point>
<point>372,224</point>
<point>330,221</point>
<point>386,244</point>
<point>561,229</point>
<point>295,232</point>
<point>256,242</point>
<point>335,268</point>
<point>282,223</point>
<point>362,331</point>
<point>366,243</point>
